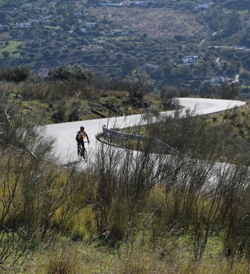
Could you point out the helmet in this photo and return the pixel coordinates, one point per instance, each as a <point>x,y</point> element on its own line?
<point>81,128</point>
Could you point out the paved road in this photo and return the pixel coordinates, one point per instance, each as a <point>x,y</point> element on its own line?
<point>64,133</point>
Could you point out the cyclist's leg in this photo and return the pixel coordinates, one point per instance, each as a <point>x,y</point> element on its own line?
<point>78,150</point>
<point>78,147</point>
<point>84,152</point>
<point>85,155</point>
<point>81,146</point>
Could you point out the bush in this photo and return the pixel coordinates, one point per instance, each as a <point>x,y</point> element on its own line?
<point>16,74</point>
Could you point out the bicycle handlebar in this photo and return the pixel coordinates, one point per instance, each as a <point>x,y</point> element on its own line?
<point>85,141</point>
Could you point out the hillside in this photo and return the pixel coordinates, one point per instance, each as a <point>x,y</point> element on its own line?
<point>124,212</point>
<point>113,41</point>
<point>156,23</point>
<point>143,215</point>
<point>57,102</point>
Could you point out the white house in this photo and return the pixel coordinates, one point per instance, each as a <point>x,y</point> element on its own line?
<point>83,30</point>
<point>151,66</point>
<point>110,4</point>
<point>190,59</point>
<point>136,3</point>
<point>90,25</point>
<point>204,6</point>
<point>27,6</point>
<point>78,13</point>
<point>116,32</point>
<point>218,80</point>
<point>24,25</point>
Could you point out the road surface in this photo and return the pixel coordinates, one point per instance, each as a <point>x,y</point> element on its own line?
<point>64,133</point>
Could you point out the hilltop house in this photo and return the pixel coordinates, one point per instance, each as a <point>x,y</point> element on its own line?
<point>204,6</point>
<point>90,25</point>
<point>151,66</point>
<point>136,3</point>
<point>116,32</point>
<point>218,80</point>
<point>190,59</point>
<point>111,4</point>
<point>79,13</point>
<point>83,30</point>
<point>23,25</point>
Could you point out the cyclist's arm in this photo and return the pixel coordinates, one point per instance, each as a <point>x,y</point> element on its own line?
<point>87,137</point>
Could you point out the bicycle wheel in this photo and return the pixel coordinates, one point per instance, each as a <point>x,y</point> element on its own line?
<point>84,154</point>
<point>79,154</point>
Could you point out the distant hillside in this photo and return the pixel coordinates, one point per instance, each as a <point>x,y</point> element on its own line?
<point>157,23</point>
<point>117,38</point>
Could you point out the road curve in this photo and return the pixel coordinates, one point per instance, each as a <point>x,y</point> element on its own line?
<point>64,133</point>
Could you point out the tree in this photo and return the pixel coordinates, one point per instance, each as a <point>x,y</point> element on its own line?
<point>129,64</point>
<point>138,84</point>
<point>67,72</point>
<point>16,74</point>
<point>234,22</point>
<point>47,53</point>
<point>5,54</point>
<point>227,91</point>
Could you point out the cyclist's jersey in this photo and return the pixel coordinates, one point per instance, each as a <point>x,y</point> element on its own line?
<point>81,135</point>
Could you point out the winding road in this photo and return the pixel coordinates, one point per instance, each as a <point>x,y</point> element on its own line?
<point>64,149</point>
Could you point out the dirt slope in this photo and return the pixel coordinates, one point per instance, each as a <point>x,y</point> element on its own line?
<point>155,22</point>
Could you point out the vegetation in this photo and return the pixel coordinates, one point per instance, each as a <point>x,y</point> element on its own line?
<point>43,36</point>
<point>71,93</point>
<point>126,212</point>
<point>177,133</point>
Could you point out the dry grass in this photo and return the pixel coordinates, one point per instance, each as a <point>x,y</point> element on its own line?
<point>80,258</point>
<point>155,22</point>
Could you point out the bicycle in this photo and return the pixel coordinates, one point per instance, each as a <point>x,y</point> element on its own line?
<point>82,153</point>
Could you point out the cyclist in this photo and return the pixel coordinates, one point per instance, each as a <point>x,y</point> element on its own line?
<point>80,136</point>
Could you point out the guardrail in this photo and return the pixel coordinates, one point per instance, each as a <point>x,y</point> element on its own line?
<point>123,137</point>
